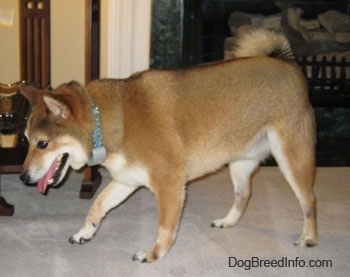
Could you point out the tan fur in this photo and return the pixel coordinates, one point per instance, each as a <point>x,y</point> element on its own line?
<point>164,128</point>
<point>270,43</point>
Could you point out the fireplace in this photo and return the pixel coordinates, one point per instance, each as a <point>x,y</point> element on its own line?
<point>202,34</point>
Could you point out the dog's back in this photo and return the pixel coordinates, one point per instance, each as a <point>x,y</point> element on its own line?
<point>218,110</point>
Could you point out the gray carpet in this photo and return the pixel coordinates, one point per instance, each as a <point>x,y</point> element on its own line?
<point>34,242</point>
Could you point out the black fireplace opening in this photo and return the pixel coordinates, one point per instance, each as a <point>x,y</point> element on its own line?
<point>205,22</point>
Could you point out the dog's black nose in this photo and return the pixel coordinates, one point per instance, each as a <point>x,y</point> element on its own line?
<point>24,177</point>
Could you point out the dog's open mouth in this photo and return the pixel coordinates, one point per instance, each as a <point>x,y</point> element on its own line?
<point>53,175</point>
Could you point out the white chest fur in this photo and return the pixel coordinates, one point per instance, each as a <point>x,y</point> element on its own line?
<point>126,173</point>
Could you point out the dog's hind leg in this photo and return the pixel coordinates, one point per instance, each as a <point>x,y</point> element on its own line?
<point>170,199</point>
<point>111,196</point>
<point>296,160</point>
<point>241,172</point>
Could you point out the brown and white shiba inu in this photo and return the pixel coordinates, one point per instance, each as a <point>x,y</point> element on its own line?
<point>160,129</point>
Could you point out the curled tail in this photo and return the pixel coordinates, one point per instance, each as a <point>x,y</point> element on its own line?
<point>262,42</point>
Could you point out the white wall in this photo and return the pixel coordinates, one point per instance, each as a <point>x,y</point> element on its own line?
<point>125,39</point>
<point>67,41</point>
<point>9,42</point>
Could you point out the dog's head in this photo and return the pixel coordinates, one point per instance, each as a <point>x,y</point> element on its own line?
<point>59,134</point>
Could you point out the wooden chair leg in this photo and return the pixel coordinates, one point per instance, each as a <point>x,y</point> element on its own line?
<point>91,182</point>
<point>6,209</point>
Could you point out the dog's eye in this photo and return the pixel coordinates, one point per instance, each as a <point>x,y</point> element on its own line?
<point>42,144</point>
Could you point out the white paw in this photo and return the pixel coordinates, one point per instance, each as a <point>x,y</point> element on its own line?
<point>147,257</point>
<point>84,235</point>
<point>305,240</point>
<point>141,256</point>
<point>221,223</point>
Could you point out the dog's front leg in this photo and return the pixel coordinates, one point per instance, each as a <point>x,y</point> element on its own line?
<point>111,196</point>
<point>170,199</point>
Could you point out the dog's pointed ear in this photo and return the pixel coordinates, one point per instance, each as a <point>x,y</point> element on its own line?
<point>57,107</point>
<point>32,94</point>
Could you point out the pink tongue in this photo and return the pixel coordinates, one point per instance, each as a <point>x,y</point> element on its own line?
<point>43,182</point>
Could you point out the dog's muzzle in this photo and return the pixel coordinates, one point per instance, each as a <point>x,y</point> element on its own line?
<point>53,175</point>
<point>25,178</point>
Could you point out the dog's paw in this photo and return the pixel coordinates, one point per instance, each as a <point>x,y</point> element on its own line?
<point>84,235</point>
<point>79,240</point>
<point>221,223</point>
<point>305,241</point>
<point>140,256</point>
<point>145,257</point>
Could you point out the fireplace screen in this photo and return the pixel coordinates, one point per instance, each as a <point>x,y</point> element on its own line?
<point>320,41</point>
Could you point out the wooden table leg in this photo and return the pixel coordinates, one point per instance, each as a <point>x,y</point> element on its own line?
<point>91,182</point>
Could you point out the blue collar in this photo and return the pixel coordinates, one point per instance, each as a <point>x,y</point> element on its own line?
<point>99,152</point>
<point>96,134</point>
